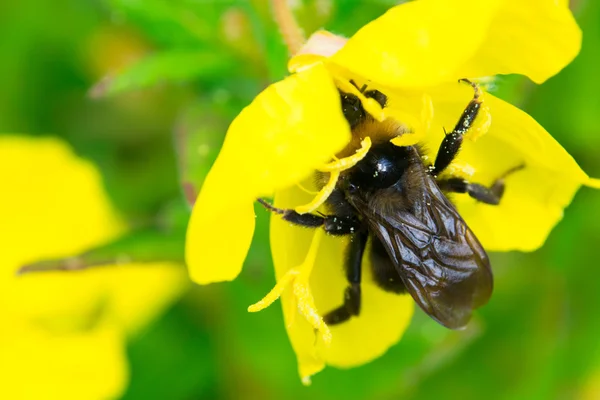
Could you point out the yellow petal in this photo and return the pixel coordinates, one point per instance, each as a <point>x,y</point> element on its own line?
<point>219,232</point>
<point>535,197</point>
<point>384,316</point>
<point>536,38</point>
<point>593,182</point>
<point>130,295</point>
<point>48,182</point>
<point>37,364</point>
<point>419,43</point>
<point>289,130</point>
<point>63,334</point>
<point>139,293</point>
<point>427,42</point>
<point>320,45</point>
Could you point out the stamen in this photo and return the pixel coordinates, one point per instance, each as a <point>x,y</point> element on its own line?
<point>301,187</point>
<point>276,292</point>
<point>350,161</point>
<point>334,169</point>
<point>299,277</point>
<point>322,196</point>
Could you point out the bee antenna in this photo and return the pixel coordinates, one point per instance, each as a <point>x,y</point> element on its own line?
<point>270,207</point>
<point>445,131</point>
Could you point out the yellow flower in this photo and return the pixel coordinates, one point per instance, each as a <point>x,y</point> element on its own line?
<point>63,334</point>
<point>414,54</point>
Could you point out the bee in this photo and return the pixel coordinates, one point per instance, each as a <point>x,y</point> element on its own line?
<point>419,242</point>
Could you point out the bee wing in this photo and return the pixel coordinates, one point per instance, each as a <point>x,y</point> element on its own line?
<point>440,261</point>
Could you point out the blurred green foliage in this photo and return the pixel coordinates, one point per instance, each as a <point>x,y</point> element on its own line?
<point>146,90</point>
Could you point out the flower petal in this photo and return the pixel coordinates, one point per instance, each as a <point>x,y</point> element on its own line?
<point>55,341</point>
<point>384,316</point>
<point>38,364</point>
<point>320,45</point>
<point>535,197</point>
<point>139,293</point>
<point>34,224</point>
<point>419,43</point>
<point>427,42</point>
<point>536,38</point>
<point>289,130</point>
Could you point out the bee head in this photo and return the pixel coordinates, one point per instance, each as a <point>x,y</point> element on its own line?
<point>382,167</point>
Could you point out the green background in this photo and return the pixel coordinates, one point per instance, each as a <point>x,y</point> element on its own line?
<point>182,70</point>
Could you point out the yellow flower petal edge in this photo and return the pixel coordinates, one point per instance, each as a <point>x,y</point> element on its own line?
<point>535,197</point>
<point>320,45</point>
<point>536,38</point>
<point>419,43</point>
<point>55,206</point>
<point>289,130</point>
<point>593,183</point>
<point>427,42</point>
<point>63,334</point>
<point>384,316</point>
<point>28,166</point>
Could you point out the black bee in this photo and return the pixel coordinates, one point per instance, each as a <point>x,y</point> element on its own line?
<point>419,242</point>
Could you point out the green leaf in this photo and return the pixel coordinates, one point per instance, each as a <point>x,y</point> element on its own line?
<point>168,67</point>
<point>167,22</point>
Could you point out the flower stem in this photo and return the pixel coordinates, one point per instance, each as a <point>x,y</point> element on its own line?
<point>288,26</point>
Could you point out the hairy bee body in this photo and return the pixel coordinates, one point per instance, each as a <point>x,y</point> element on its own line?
<point>419,242</point>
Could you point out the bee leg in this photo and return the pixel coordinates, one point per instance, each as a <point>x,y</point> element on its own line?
<point>488,195</point>
<point>352,295</point>
<point>491,195</point>
<point>332,224</point>
<point>451,144</point>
